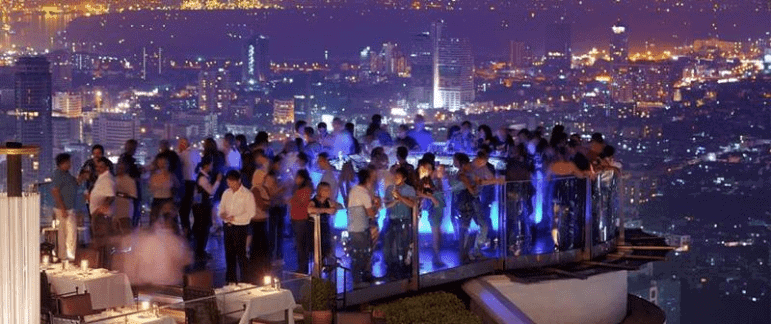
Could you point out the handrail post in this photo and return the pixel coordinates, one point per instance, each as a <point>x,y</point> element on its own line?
<point>317,271</point>
<point>620,216</point>
<point>588,224</point>
<point>415,261</point>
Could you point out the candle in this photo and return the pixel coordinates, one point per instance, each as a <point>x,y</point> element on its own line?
<point>66,265</point>
<point>45,260</point>
<point>267,280</point>
<point>145,305</point>
<point>84,265</point>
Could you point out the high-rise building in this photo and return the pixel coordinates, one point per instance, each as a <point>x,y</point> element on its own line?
<point>112,130</point>
<point>61,70</point>
<point>619,40</point>
<point>557,48</point>
<point>33,113</point>
<point>214,92</point>
<point>516,54</point>
<point>68,104</point>
<point>65,131</point>
<point>256,64</point>
<point>421,70</point>
<point>283,111</point>
<point>435,34</point>
<point>364,61</point>
<point>198,125</point>
<point>456,74</point>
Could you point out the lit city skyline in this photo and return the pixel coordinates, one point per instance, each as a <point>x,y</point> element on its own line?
<point>680,89</point>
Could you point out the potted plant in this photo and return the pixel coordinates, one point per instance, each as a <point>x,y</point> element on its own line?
<point>318,301</point>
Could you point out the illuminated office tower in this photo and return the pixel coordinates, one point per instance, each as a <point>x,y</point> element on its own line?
<point>68,104</point>
<point>557,48</point>
<point>456,74</point>
<point>256,65</point>
<point>283,111</point>
<point>214,92</point>
<point>33,113</point>
<point>619,40</point>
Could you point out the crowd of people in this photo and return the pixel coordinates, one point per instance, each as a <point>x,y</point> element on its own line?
<point>253,192</point>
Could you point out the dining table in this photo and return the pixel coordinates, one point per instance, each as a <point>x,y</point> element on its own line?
<point>254,301</point>
<point>108,289</point>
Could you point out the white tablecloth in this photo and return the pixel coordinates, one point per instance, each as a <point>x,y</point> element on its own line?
<point>258,302</point>
<point>128,318</point>
<point>108,289</point>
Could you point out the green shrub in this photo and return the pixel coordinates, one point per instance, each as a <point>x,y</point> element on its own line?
<point>430,308</point>
<point>320,295</point>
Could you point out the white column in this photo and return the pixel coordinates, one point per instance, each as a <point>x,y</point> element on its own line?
<point>20,259</point>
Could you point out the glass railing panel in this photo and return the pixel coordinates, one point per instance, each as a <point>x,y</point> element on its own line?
<point>544,215</point>
<point>605,201</point>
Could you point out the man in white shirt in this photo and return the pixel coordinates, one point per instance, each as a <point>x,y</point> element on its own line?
<point>232,155</point>
<point>342,140</point>
<point>102,195</point>
<point>362,207</point>
<point>100,205</point>
<point>420,134</point>
<point>237,208</point>
<point>190,158</point>
<point>328,174</point>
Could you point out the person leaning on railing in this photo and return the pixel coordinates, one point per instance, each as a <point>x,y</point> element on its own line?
<point>362,207</point>
<point>400,200</point>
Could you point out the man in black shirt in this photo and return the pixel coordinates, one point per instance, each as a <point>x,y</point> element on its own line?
<point>135,172</point>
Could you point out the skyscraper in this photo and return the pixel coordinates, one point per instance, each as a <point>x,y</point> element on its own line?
<point>256,65</point>
<point>214,92</point>
<point>618,46</point>
<point>421,70</point>
<point>456,74</point>
<point>516,54</point>
<point>435,33</point>
<point>557,48</point>
<point>33,113</point>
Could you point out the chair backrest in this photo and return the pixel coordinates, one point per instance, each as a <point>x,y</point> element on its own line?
<point>199,279</point>
<point>204,309</point>
<point>76,305</point>
<point>47,301</point>
<point>93,257</point>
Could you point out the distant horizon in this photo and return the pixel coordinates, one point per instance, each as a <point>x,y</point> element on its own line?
<point>490,32</point>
